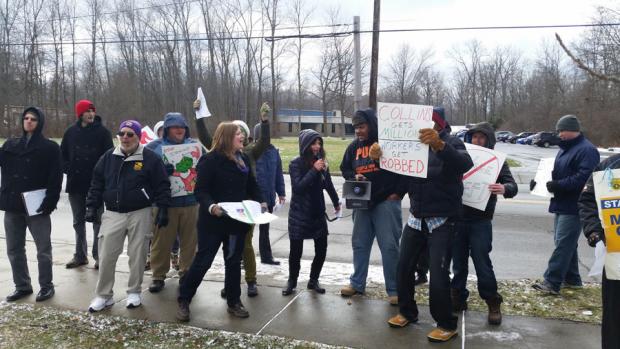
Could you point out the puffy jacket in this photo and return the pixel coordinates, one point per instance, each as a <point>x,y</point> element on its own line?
<point>440,194</point>
<point>81,148</point>
<point>269,175</point>
<point>356,160</point>
<point>30,165</point>
<point>505,176</point>
<point>588,210</point>
<point>220,180</point>
<point>306,217</point>
<point>174,120</point>
<point>572,168</point>
<point>121,181</point>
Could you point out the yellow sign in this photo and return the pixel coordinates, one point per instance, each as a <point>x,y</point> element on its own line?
<point>610,210</point>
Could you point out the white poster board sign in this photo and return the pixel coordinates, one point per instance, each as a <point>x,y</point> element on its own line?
<point>399,127</point>
<point>607,195</point>
<point>203,111</point>
<point>33,200</point>
<point>487,166</point>
<point>184,158</point>
<point>147,135</point>
<point>247,211</point>
<point>543,175</point>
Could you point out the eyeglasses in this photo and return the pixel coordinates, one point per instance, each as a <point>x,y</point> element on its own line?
<point>128,134</point>
<point>30,118</point>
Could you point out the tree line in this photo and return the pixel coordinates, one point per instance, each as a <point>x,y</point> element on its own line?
<point>140,59</point>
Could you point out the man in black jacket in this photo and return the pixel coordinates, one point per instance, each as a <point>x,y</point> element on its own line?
<point>435,208</point>
<point>82,145</point>
<point>474,235</point>
<point>30,162</point>
<point>593,230</point>
<point>129,179</point>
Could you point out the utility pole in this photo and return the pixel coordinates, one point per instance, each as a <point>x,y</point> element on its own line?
<point>374,62</point>
<point>357,74</point>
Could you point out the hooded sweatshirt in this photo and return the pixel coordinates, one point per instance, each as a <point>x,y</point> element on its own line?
<point>356,160</point>
<point>505,176</point>
<point>174,120</point>
<point>30,163</point>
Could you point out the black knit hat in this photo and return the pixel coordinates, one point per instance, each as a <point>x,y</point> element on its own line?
<point>568,123</point>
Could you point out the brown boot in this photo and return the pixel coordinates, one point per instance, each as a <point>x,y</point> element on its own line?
<point>457,304</point>
<point>495,312</point>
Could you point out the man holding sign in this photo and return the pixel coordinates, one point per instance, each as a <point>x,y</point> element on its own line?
<point>474,235</point>
<point>435,206</point>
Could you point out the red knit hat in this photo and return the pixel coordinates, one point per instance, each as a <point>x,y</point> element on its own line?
<point>83,106</point>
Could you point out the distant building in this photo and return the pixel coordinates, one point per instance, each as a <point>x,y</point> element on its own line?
<point>289,120</point>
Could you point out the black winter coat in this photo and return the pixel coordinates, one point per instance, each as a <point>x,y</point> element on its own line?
<point>220,180</point>
<point>30,165</point>
<point>119,180</point>
<point>306,216</point>
<point>81,148</point>
<point>588,210</point>
<point>440,194</point>
<point>505,176</point>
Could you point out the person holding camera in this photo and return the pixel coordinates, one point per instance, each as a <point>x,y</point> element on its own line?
<point>383,218</point>
<point>306,217</point>
<point>129,179</point>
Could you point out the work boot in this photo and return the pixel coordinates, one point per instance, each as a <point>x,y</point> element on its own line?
<point>183,311</point>
<point>314,285</point>
<point>458,305</point>
<point>290,287</point>
<point>349,291</point>
<point>157,286</point>
<point>252,289</point>
<point>495,312</point>
<point>238,310</point>
<point>74,263</point>
<point>439,335</point>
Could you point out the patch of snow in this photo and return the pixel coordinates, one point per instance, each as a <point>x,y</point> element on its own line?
<point>499,336</point>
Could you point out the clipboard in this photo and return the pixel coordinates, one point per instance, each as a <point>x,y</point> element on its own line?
<point>32,201</point>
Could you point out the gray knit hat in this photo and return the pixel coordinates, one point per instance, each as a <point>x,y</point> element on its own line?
<point>568,123</point>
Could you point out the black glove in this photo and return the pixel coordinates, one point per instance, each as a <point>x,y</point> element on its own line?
<point>91,215</point>
<point>45,209</point>
<point>552,186</point>
<point>162,217</point>
<point>595,237</point>
<point>532,184</point>
<point>169,169</point>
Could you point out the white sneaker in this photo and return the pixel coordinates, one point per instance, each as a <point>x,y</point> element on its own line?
<point>100,303</point>
<point>134,300</point>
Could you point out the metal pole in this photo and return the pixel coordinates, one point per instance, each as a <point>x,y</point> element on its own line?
<point>357,77</point>
<point>374,63</point>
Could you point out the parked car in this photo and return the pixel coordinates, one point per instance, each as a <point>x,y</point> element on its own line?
<point>546,139</point>
<point>528,140</point>
<point>501,136</point>
<point>513,139</point>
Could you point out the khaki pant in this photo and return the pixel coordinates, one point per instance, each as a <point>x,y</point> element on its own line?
<point>181,221</point>
<point>249,257</point>
<point>136,226</point>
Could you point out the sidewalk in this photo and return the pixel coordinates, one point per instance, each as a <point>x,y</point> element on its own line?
<point>329,318</point>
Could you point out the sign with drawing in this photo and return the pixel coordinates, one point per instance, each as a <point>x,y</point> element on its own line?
<point>487,166</point>
<point>184,158</point>
<point>399,126</point>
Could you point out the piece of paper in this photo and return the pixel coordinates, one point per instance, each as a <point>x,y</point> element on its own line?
<point>147,136</point>
<point>247,211</point>
<point>203,111</point>
<point>32,201</point>
<point>184,158</point>
<point>543,175</point>
<point>487,166</point>
<point>599,260</point>
<point>607,196</point>
<point>399,126</point>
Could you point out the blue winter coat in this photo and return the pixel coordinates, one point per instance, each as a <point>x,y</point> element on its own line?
<point>306,217</point>
<point>572,168</point>
<point>269,175</point>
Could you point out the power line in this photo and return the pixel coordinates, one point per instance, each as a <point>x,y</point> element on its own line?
<point>311,36</point>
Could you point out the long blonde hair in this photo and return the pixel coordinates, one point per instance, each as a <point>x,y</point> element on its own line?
<point>223,139</point>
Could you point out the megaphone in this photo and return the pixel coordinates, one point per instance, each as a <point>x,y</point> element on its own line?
<point>357,194</point>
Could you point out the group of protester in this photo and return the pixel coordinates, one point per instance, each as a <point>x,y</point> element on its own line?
<point>132,182</point>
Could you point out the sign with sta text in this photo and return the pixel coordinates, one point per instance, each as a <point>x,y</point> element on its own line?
<point>607,194</point>
<point>399,128</point>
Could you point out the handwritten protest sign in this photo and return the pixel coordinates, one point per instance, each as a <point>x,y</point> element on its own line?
<point>607,194</point>
<point>147,135</point>
<point>543,175</point>
<point>399,126</point>
<point>184,158</point>
<point>487,165</point>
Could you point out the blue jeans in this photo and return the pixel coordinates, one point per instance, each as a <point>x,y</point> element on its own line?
<point>564,262</point>
<point>385,222</point>
<point>475,238</point>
